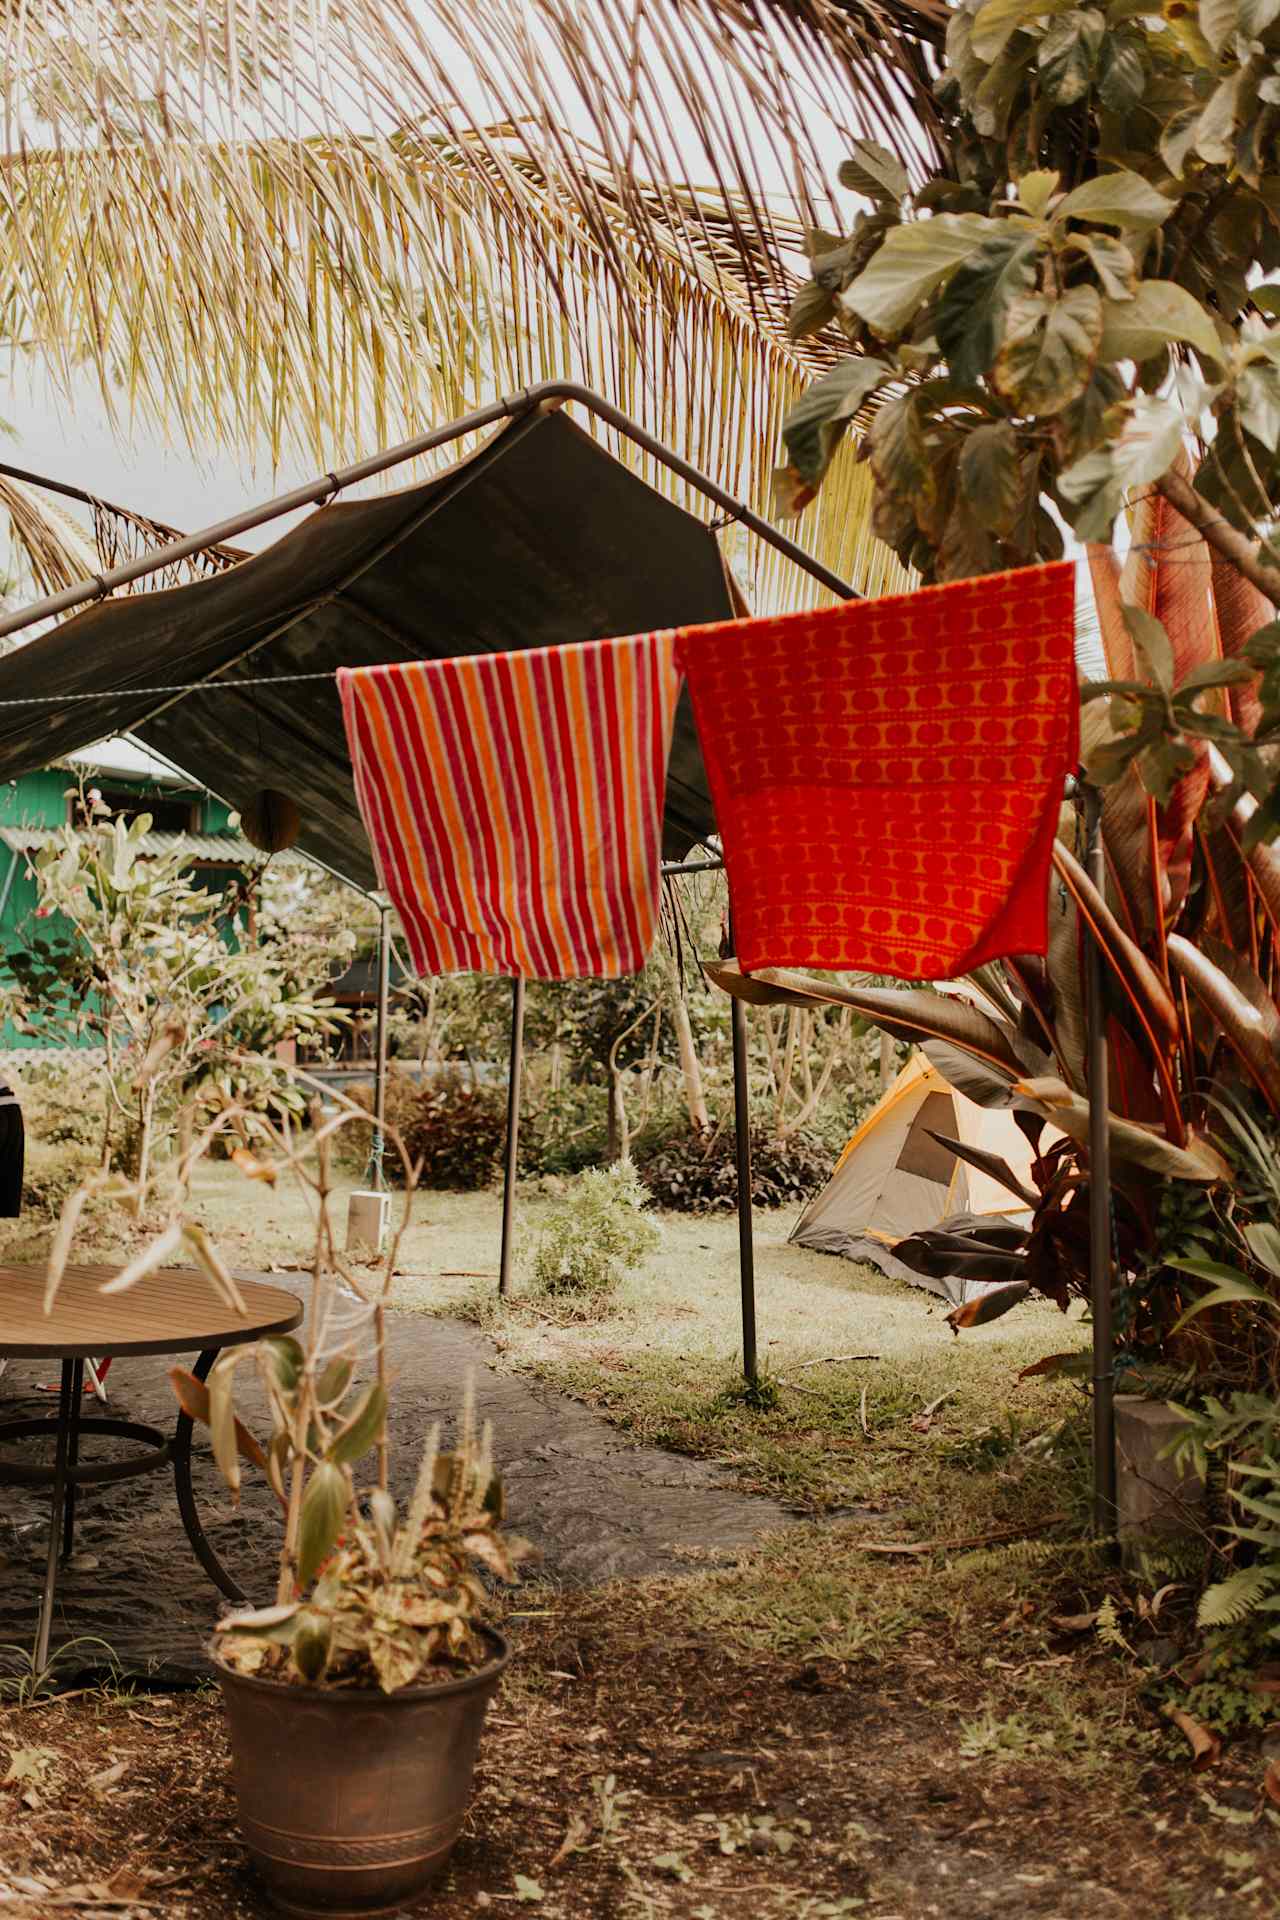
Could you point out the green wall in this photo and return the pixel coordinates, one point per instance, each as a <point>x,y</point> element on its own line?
<point>40,800</point>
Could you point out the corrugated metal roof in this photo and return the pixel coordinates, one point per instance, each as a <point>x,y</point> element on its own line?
<point>226,849</point>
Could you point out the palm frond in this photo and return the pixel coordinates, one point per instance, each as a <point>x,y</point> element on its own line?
<point>326,225</point>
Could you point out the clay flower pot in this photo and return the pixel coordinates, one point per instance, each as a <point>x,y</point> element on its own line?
<point>351,1800</point>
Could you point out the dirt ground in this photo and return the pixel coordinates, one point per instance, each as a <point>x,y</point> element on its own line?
<point>633,1768</point>
<point>919,1695</point>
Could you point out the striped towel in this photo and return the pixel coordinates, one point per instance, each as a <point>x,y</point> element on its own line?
<point>514,802</point>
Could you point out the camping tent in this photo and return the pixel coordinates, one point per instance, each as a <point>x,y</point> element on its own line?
<point>894,1178</point>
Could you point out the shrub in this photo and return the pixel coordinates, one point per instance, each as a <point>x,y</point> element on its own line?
<point>693,1175</point>
<point>595,1235</point>
<point>454,1127</point>
<point>51,1174</point>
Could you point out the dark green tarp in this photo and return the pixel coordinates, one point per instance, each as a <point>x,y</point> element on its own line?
<point>539,538</point>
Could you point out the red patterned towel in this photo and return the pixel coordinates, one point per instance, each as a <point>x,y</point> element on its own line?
<point>887,774</point>
<point>514,802</point>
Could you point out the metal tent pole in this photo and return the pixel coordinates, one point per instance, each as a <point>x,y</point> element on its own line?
<point>1101,1278</point>
<point>514,1071</point>
<point>380,1071</point>
<point>742,1128</point>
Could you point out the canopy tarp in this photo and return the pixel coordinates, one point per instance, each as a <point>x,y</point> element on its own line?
<point>538,538</point>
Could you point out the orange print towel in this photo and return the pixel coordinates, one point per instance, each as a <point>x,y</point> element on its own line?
<point>887,774</point>
<point>514,802</point>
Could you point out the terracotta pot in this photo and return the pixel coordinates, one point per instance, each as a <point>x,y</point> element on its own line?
<point>351,1801</point>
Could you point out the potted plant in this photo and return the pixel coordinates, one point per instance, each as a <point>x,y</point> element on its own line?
<point>356,1699</point>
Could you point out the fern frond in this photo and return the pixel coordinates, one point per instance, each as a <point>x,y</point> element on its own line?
<point>1228,1602</point>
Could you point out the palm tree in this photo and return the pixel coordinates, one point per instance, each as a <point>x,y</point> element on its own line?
<point>326,223</point>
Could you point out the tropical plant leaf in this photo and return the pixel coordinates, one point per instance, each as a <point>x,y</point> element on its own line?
<point>192,1396</point>
<point>1050,345</point>
<point>1121,199</point>
<point>971,315</point>
<point>872,170</point>
<point>994,1165</point>
<point>912,263</point>
<point>990,477</point>
<point>324,1507</point>
<point>909,1013</point>
<point>985,1085</point>
<point>1157,314</point>
<point>985,1307</point>
<point>819,418</point>
<point>1252,1033</point>
<point>362,1430</point>
<point>1132,1143</point>
<point>1231,1289</point>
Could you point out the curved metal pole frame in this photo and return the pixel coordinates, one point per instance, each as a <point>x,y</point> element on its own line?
<point>513,406</point>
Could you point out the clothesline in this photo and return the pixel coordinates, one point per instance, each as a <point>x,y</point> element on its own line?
<point>190,686</point>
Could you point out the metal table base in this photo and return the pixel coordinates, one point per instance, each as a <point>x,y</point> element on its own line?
<point>69,1473</point>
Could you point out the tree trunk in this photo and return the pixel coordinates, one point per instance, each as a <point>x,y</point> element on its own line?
<point>886,1061</point>
<point>690,1066</point>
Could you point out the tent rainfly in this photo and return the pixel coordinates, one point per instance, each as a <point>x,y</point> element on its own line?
<point>894,1179</point>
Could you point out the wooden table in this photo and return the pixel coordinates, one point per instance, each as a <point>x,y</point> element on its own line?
<point>174,1310</point>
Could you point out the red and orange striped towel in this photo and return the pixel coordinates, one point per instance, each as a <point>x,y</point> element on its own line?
<point>514,802</point>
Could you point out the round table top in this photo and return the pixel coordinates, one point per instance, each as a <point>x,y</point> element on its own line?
<point>173,1310</point>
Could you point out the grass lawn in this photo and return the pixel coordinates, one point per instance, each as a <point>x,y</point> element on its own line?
<point>912,1681</point>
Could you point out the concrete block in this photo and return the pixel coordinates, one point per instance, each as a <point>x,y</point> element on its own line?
<point>1154,1501</point>
<point>367,1216</point>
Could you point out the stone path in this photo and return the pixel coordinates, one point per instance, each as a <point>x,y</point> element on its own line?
<point>595,1507</point>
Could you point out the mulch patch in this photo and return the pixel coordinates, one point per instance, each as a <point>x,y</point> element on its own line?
<point>634,1768</point>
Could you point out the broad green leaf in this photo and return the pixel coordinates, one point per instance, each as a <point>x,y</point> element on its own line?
<point>1264,1245</point>
<point>1120,199</point>
<point>354,1440</point>
<point>1258,402</point>
<point>1147,445</point>
<point>324,1506</point>
<point>989,480</point>
<point>1216,128</point>
<point>910,265</point>
<point>286,1360</point>
<point>995,23</point>
<point>815,424</point>
<point>1267,298</point>
<point>1153,645</point>
<point>334,1381</point>
<point>972,313</point>
<point>1178,138</point>
<point>1122,72</point>
<point>1158,314</point>
<point>872,170</point>
<point>1215,673</point>
<point>1068,53</point>
<point>1112,261</point>
<point>1036,190</point>
<point>896,448</point>
<point>1049,349</point>
<point>813,306</point>
<point>1232,1290</point>
<point>1163,765</point>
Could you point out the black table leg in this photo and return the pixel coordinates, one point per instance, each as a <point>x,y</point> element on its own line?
<point>60,1463</point>
<point>73,1456</point>
<point>186,1498</point>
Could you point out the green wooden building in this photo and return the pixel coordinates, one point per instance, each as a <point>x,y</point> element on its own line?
<point>131,781</point>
